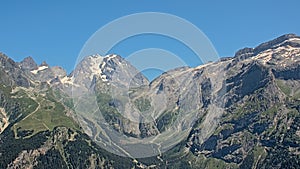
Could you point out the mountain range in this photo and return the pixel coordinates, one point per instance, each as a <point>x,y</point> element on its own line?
<point>238,112</point>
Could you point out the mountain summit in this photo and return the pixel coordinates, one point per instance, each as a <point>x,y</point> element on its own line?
<point>239,112</point>
<point>28,64</point>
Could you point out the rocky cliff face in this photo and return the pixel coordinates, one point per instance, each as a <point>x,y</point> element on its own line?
<point>28,64</point>
<point>239,112</point>
<point>11,73</point>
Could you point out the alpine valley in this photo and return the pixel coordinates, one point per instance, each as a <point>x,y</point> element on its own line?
<point>238,112</point>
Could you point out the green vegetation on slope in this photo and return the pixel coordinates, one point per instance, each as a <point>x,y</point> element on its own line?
<point>47,115</point>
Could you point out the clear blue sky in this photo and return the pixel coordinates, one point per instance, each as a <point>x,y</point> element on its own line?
<point>56,30</point>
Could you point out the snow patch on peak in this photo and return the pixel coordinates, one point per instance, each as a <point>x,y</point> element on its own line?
<point>103,77</point>
<point>95,66</point>
<point>41,68</point>
<point>68,81</point>
<point>110,56</point>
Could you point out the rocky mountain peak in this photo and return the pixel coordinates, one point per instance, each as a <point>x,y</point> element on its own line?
<point>58,71</point>
<point>108,69</point>
<point>284,40</point>
<point>44,63</point>
<point>3,56</point>
<point>28,64</point>
<point>244,53</point>
<point>5,61</point>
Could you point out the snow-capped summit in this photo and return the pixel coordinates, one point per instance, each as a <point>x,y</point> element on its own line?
<point>105,69</point>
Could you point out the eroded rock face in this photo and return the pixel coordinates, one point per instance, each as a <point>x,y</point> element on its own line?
<point>257,89</point>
